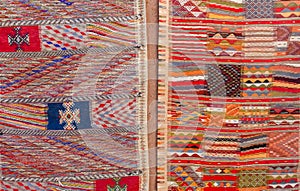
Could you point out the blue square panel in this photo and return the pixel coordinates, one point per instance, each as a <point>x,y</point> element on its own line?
<point>68,116</point>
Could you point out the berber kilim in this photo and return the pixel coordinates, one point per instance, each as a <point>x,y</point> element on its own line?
<point>228,95</point>
<point>73,95</point>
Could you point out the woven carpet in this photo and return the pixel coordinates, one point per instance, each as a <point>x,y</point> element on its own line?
<point>72,100</point>
<point>229,95</point>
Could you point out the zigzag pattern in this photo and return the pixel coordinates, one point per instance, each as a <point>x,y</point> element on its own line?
<point>114,113</point>
<point>286,9</point>
<point>284,114</point>
<point>225,41</point>
<point>284,144</point>
<point>226,9</point>
<point>253,146</point>
<point>256,81</point>
<point>283,178</point>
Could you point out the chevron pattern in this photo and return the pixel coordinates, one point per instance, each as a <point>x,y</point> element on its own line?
<point>114,113</point>
<point>226,9</point>
<point>284,144</point>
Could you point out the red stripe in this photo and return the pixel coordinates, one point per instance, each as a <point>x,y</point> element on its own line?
<point>215,6</point>
<point>283,89</point>
<point>234,130</point>
<point>220,189</point>
<point>188,83</point>
<point>219,177</point>
<point>244,100</point>
<point>237,60</point>
<point>262,22</point>
<point>253,152</point>
<point>235,163</point>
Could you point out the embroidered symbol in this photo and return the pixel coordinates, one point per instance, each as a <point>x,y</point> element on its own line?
<point>18,39</point>
<point>69,116</point>
<point>117,187</point>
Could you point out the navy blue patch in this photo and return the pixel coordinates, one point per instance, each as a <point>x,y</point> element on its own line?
<point>68,116</point>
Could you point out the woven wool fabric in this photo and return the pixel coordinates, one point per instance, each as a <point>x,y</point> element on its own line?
<point>229,95</point>
<point>73,89</point>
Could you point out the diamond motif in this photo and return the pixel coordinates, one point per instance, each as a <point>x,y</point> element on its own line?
<point>69,116</point>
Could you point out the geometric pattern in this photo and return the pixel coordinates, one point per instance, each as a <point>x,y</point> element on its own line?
<point>225,41</point>
<point>259,9</point>
<point>20,39</point>
<point>224,75</point>
<point>259,41</point>
<point>256,81</point>
<point>71,72</point>
<point>283,178</point>
<point>285,80</point>
<point>63,37</point>
<point>286,9</point>
<point>220,178</point>
<point>228,94</point>
<point>68,116</point>
<point>226,9</point>
<point>284,144</point>
<point>252,178</point>
<point>114,113</point>
<point>184,178</point>
<point>253,146</point>
<point>189,8</point>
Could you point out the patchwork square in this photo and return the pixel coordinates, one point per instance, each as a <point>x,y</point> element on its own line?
<point>185,177</point>
<point>224,80</point>
<point>286,9</point>
<point>20,39</point>
<point>284,144</point>
<point>253,178</point>
<point>254,115</point>
<point>260,41</point>
<point>68,115</point>
<point>189,8</point>
<point>256,9</point>
<point>225,41</point>
<point>256,81</point>
<point>283,177</point>
<point>224,178</point>
<point>254,146</point>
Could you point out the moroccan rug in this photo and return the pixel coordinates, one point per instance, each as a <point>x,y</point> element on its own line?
<point>229,95</point>
<point>73,95</point>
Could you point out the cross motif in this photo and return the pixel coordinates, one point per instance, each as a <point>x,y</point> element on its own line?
<point>69,116</point>
<point>18,39</point>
